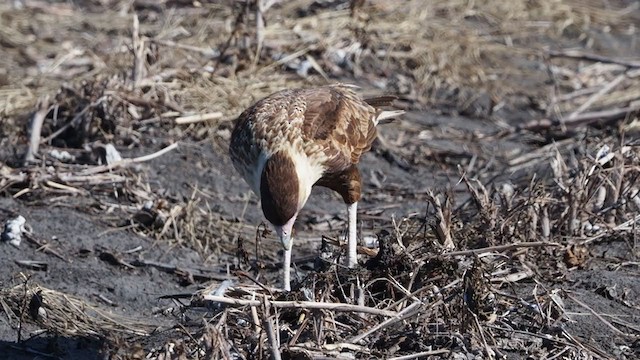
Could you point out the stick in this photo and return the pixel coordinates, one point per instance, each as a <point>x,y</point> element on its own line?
<point>613,83</point>
<point>606,115</point>
<point>67,188</point>
<point>36,129</point>
<point>397,317</point>
<point>190,119</point>
<point>540,153</point>
<point>285,59</point>
<point>138,52</point>
<point>619,227</point>
<point>421,354</point>
<point>575,54</point>
<point>124,162</point>
<point>615,329</point>
<point>271,334</point>
<point>443,221</point>
<point>260,9</point>
<point>501,248</point>
<point>581,119</point>
<point>302,305</point>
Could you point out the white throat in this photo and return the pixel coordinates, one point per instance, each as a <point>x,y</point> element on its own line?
<point>308,172</point>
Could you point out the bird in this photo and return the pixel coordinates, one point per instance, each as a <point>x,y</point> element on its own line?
<point>295,139</point>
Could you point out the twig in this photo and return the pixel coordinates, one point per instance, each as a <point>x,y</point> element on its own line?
<point>271,335</point>
<point>613,83</point>
<point>261,8</point>
<point>527,333</point>
<point>397,317</point>
<point>302,305</point>
<point>23,309</point>
<point>36,129</point>
<point>254,317</point>
<point>33,264</point>
<point>577,93</point>
<point>421,354</point>
<point>615,329</point>
<point>619,227</point>
<point>124,162</point>
<point>581,119</point>
<point>501,248</point>
<point>575,54</point>
<point>66,188</point>
<point>299,332</point>
<point>540,154</point>
<point>490,353</point>
<point>284,60</point>
<point>443,220</point>
<point>311,346</point>
<point>139,101</point>
<point>190,119</point>
<point>138,52</point>
<point>45,247</point>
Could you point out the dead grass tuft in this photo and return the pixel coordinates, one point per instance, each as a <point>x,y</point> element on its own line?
<point>64,314</point>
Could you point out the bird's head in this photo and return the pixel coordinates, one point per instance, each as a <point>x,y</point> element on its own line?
<point>280,195</point>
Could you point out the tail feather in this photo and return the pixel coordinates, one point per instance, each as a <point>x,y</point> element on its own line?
<point>384,116</point>
<point>387,116</point>
<point>378,101</point>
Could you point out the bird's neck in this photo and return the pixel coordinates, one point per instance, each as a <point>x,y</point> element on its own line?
<point>286,182</point>
<point>279,189</point>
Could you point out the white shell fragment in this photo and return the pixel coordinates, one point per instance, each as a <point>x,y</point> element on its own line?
<point>63,156</point>
<point>112,155</point>
<point>13,230</point>
<point>370,242</point>
<point>604,155</point>
<point>222,289</point>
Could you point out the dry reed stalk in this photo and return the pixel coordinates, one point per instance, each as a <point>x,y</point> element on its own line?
<point>300,305</point>
<point>36,128</point>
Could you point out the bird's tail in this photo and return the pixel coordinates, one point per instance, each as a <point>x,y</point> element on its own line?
<point>379,101</point>
<point>387,116</point>
<point>384,116</point>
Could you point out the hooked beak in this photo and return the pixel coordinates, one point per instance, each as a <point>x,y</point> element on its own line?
<point>284,233</point>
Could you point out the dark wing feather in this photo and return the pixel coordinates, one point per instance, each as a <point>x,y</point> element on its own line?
<point>380,101</point>
<point>321,114</point>
<point>342,122</point>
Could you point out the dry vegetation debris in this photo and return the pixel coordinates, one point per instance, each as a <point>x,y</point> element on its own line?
<point>486,271</point>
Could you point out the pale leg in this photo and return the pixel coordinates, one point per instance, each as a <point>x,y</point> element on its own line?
<point>287,270</point>
<point>352,238</point>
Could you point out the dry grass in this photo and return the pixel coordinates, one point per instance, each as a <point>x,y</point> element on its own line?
<point>421,299</point>
<point>63,314</point>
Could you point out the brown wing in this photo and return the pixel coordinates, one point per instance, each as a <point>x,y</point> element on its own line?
<point>342,122</point>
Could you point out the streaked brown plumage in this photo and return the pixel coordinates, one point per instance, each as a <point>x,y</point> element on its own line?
<point>294,139</point>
